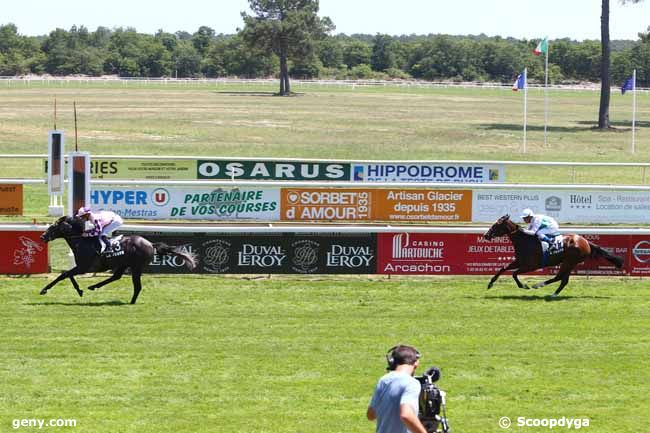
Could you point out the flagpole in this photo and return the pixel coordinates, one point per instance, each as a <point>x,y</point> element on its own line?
<point>525,104</point>
<point>633,110</point>
<point>546,95</point>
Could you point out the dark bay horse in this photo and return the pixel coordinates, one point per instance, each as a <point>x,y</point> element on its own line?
<point>529,255</point>
<point>134,253</point>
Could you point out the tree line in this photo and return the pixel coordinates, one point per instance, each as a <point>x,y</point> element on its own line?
<point>205,53</point>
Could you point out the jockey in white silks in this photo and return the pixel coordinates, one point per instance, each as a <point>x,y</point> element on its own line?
<point>542,226</point>
<point>99,224</point>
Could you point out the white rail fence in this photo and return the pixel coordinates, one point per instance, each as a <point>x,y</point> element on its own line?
<point>125,81</point>
<point>322,228</point>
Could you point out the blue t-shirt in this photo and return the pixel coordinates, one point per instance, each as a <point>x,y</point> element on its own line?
<point>393,390</point>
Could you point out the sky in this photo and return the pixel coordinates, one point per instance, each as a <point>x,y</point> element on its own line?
<point>521,19</point>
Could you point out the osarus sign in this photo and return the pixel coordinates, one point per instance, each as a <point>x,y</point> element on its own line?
<point>272,170</point>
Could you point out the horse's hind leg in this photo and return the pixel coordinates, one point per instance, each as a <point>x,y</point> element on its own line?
<point>116,276</point>
<point>137,283</point>
<point>563,276</point>
<point>557,277</point>
<point>564,282</point>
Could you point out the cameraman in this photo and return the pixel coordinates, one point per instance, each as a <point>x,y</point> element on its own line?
<point>396,399</point>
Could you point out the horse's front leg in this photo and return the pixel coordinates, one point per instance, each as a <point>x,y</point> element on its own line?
<point>513,265</point>
<point>66,274</point>
<point>515,276</point>
<point>76,286</point>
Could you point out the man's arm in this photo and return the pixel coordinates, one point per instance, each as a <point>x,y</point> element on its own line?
<point>410,419</point>
<point>371,414</point>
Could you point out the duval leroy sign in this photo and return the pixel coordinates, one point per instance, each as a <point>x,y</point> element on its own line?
<point>305,204</point>
<point>272,170</point>
<point>281,253</point>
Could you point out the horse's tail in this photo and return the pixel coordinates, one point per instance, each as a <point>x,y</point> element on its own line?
<point>188,258</point>
<point>597,251</point>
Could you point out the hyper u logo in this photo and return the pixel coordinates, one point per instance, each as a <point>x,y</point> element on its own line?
<point>160,197</point>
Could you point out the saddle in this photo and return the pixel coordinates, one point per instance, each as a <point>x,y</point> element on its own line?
<point>555,246</point>
<point>113,247</point>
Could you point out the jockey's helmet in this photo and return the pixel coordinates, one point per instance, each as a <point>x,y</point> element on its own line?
<point>84,210</point>
<point>526,213</point>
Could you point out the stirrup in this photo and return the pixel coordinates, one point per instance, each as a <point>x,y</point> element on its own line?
<point>106,243</point>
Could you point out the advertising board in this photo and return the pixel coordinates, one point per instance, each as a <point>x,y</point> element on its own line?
<point>342,204</point>
<point>22,252</point>
<point>423,205</point>
<point>316,204</point>
<point>281,253</point>
<point>197,202</point>
<point>11,199</point>
<point>638,260</point>
<point>272,170</point>
<point>579,207</point>
<point>143,169</point>
<point>399,253</point>
<point>427,172</point>
<point>470,254</point>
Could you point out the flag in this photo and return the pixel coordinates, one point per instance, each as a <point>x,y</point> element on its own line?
<point>520,82</point>
<point>542,47</point>
<point>628,85</point>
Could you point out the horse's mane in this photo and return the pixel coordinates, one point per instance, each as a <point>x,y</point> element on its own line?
<point>76,223</point>
<point>504,219</point>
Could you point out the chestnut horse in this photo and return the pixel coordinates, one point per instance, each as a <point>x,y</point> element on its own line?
<point>529,255</point>
<point>135,253</point>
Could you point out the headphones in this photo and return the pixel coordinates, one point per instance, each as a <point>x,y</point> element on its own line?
<point>391,356</point>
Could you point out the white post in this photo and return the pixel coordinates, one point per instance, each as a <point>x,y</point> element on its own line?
<point>546,95</point>
<point>55,171</point>
<point>633,110</point>
<point>525,104</point>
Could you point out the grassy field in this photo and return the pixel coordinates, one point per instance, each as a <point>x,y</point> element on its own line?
<point>293,355</point>
<point>390,123</point>
<point>301,355</point>
<point>321,122</point>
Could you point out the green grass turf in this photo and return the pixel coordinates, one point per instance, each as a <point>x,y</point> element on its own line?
<point>294,355</point>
